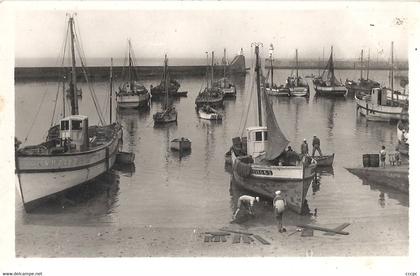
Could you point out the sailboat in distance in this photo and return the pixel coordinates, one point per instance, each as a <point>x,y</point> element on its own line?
<point>168,113</point>
<point>270,87</point>
<point>74,152</point>
<point>132,94</point>
<point>260,162</point>
<point>327,84</point>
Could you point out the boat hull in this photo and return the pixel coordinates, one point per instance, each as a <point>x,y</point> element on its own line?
<point>331,90</point>
<point>209,116</point>
<point>324,161</point>
<point>132,101</point>
<point>299,92</point>
<point>43,176</point>
<point>375,112</point>
<point>265,180</point>
<point>281,92</point>
<point>181,144</point>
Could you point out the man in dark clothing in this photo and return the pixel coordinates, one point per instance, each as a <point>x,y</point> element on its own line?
<point>304,148</point>
<point>291,157</point>
<point>316,146</point>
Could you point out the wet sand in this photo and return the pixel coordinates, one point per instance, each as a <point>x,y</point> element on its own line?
<point>148,241</point>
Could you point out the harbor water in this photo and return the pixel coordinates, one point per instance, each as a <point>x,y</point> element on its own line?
<point>166,189</point>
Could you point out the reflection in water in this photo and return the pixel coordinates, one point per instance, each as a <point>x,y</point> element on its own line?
<point>92,202</point>
<point>391,193</point>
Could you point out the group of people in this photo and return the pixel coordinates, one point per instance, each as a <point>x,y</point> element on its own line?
<point>279,204</point>
<point>316,146</point>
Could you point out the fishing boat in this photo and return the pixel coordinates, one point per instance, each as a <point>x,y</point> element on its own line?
<point>169,113</point>
<point>297,85</point>
<point>271,88</point>
<point>208,113</point>
<point>211,95</point>
<point>229,89</point>
<point>362,87</point>
<point>324,160</point>
<point>262,165</point>
<point>376,106</point>
<point>327,84</point>
<point>74,152</point>
<point>181,144</point>
<point>173,87</point>
<point>132,94</point>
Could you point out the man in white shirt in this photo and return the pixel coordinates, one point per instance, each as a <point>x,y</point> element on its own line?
<point>246,202</point>
<point>279,205</point>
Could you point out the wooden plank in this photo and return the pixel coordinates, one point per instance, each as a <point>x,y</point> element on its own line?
<point>223,238</point>
<point>236,238</point>
<point>235,231</point>
<point>207,238</point>
<point>261,239</point>
<point>319,228</point>
<point>217,233</point>
<point>338,228</point>
<point>216,238</point>
<point>307,232</point>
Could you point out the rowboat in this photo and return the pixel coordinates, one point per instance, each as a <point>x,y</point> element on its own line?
<point>181,144</point>
<point>324,160</point>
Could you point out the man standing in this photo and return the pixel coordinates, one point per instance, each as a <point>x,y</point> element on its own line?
<point>382,153</point>
<point>279,205</point>
<point>304,148</point>
<point>246,202</point>
<point>316,146</point>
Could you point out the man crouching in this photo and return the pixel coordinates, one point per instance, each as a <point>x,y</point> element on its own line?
<point>247,202</point>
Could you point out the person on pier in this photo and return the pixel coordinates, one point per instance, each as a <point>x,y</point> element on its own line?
<point>382,154</point>
<point>316,145</point>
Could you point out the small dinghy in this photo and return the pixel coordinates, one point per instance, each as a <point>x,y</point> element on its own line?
<point>324,160</point>
<point>181,144</point>
<point>208,113</point>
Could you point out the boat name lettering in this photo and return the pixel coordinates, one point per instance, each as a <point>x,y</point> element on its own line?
<point>262,172</point>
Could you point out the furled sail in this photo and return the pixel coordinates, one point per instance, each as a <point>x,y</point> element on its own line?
<point>328,74</point>
<point>277,141</point>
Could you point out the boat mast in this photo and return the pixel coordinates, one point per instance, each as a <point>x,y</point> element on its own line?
<point>224,63</point>
<point>64,95</point>
<point>392,71</point>
<point>207,70</point>
<point>297,65</point>
<point>271,51</point>
<point>73,82</point>
<point>361,64</point>
<point>165,74</point>
<point>368,63</point>
<point>129,65</point>
<point>110,92</point>
<point>257,70</point>
<point>212,64</point>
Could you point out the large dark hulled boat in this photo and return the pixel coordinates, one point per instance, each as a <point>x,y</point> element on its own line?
<point>73,153</point>
<point>173,87</point>
<point>211,95</point>
<point>327,84</point>
<point>260,162</point>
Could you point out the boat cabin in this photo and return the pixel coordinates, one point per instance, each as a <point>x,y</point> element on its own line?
<point>256,140</point>
<point>74,132</point>
<point>379,96</point>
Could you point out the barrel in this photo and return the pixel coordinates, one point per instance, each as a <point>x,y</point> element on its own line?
<point>374,160</point>
<point>366,160</point>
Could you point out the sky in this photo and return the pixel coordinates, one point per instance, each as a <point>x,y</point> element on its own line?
<point>183,32</point>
